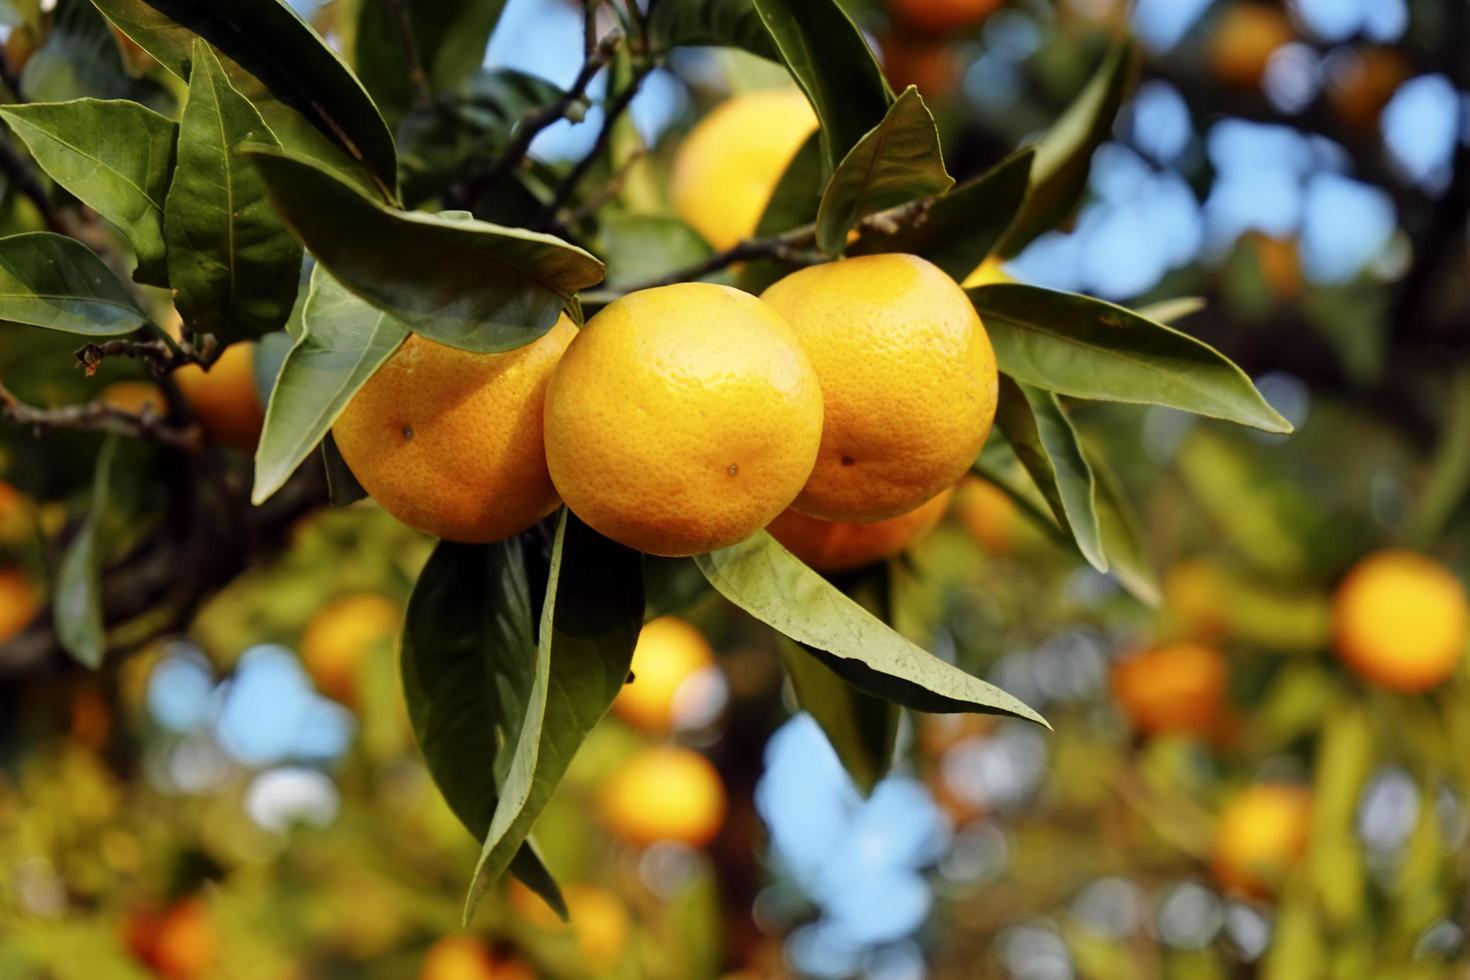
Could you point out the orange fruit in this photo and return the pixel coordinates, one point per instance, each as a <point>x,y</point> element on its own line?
<point>1360,83</point>
<point>1280,266</point>
<point>664,793</point>
<point>927,63</point>
<point>1261,834</point>
<point>682,419</point>
<point>942,16</point>
<point>450,441</point>
<point>19,603</point>
<point>1400,620</point>
<point>186,945</point>
<point>224,398</point>
<point>17,514</point>
<point>136,397</point>
<point>669,652</point>
<point>1245,35</point>
<point>599,920</point>
<point>458,957</point>
<point>989,515</point>
<point>341,634</point>
<point>839,546</point>
<point>1177,689</point>
<point>728,165</point>
<point>908,379</point>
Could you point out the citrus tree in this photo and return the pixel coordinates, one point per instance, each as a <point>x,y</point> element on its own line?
<point>305,271</point>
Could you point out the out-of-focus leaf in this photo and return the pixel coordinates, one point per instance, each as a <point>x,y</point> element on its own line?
<point>1122,534</point>
<point>1087,348</point>
<point>53,281</point>
<point>79,59</point>
<point>644,247</point>
<point>862,729</point>
<point>700,23</point>
<point>1345,759</point>
<point>1064,155</point>
<point>78,605</point>
<point>896,162</point>
<point>1172,310</point>
<point>449,38</point>
<point>962,227</point>
<point>114,156</point>
<point>344,343</point>
<point>233,266</point>
<point>793,203</point>
<point>589,624</point>
<point>771,584</point>
<point>465,283</point>
<point>1449,474</point>
<point>342,487</point>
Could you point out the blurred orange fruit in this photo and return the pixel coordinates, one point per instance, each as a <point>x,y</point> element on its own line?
<point>225,399</point>
<point>1360,83</point>
<point>136,397</point>
<point>942,16</point>
<point>1243,38</point>
<point>341,634</point>
<point>989,515</point>
<point>669,652</point>
<point>664,793</point>
<point>458,957</point>
<point>1280,265</point>
<point>186,945</point>
<point>908,378</point>
<point>1177,689</point>
<point>599,920</point>
<point>1400,620</point>
<point>19,603</point>
<point>1261,834</point>
<point>839,546</point>
<point>927,63</point>
<point>17,514</point>
<point>450,441</point>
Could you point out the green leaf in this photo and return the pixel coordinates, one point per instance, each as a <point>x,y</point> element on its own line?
<point>645,247</point>
<point>233,265</point>
<point>793,203</point>
<point>308,97</point>
<point>1064,155</point>
<point>961,227</point>
<point>1172,310</point>
<point>589,625</point>
<point>896,162</point>
<point>831,61</point>
<point>114,156</point>
<point>80,59</point>
<point>343,344</point>
<point>1122,535</point>
<point>467,663</point>
<point>465,283</point>
<point>722,23</point>
<point>767,581</point>
<point>449,36</point>
<point>343,490</point>
<point>78,607</point>
<point>52,281</point>
<point>1034,423</point>
<point>862,729</point>
<point>1087,348</point>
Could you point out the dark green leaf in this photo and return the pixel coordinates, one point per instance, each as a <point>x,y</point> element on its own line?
<point>862,729</point>
<point>961,227</point>
<point>449,38</point>
<point>344,342</point>
<point>669,585</point>
<point>465,283</point>
<point>793,204</point>
<point>767,581</point>
<point>1064,155</point>
<point>78,606</point>
<point>467,662</point>
<point>311,101</point>
<point>52,281</point>
<point>233,265</point>
<point>1033,422</point>
<point>589,625</point>
<point>342,487</point>
<point>644,247</point>
<point>898,161</point>
<point>114,156</point>
<point>1122,536</point>
<point>1087,348</point>
<point>831,61</point>
<point>715,23</point>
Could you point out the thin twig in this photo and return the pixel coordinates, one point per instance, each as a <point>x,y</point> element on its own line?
<point>578,173</point>
<point>610,190</point>
<point>99,416</point>
<point>403,28</point>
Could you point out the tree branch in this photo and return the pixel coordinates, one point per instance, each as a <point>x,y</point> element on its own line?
<point>578,173</point>
<point>398,13</point>
<point>98,416</point>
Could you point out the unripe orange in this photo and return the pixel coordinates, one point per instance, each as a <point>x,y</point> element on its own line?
<point>1260,836</point>
<point>839,546</point>
<point>1400,620</point>
<point>670,651</point>
<point>665,793</point>
<point>1172,690</point>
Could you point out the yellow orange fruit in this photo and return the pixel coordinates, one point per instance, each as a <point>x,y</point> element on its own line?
<point>599,920</point>
<point>682,419</point>
<point>17,513</point>
<point>942,16</point>
<point>341,634</point>
<point>1261,834</point>
<point>839,546</point>
<point>186,945</point>
<point>987,273</point>
<point>450,441</point>
<point>664,793</point>
<point>669,652</point>
<point>908,379</point>
<point>19,603</point>
<point>1243,38</point>
<point>729,164</point>
<point>458,957</point>
<point>1400,619</point>
<point>225,399</point>
<point>1178,689</point>
<point>989,515</point>
<point>136,397</point>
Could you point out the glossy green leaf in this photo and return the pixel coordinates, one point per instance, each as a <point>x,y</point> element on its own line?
<point>1064,154</point>
<point>344,343</point>
<point>767,581</point>
<point>896,162</point>
<point>861,729</point>
<point>712,23</point>
<point>831,61</point>
<point>962,227</point>
<point>590,621</point>
<point>1122,535</point>
<point>645,247</point>
<point>53,281</point>
<point>793,204</point>
<point>465,283</point>
<point>1035,424</point>
<point>467,662</point>
<point>449,37</point>
<point>232,263</point>
<point>114,156</point>
<point>308,97</point>
<point>78,605</point>
<point>1087,348</point>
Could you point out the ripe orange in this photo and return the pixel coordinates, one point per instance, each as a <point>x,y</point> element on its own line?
<point>666,793</point>
<point>450,441</point>
<point>729,164</point>
<point>136,397</point>
<point>599,919</point>
<point>908,379</point>
<point>1172,690</point>
<point>225,399</point>
<point>942,16</point>
<point>458,957</point>
<point>669,652</point>
<point>19,603</point>
<point>1261,834</point>
<point>1400,619</point>
<point>186,945</point>
<point>682,419</point>
<point>1245,35</point>
<point>989,515</point>
<point>341,633</point>
<point>839,546</point>
<point>927,63</point>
